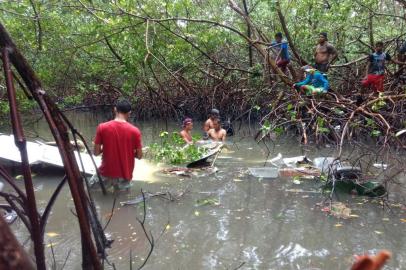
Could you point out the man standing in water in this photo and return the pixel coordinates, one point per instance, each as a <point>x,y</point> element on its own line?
<point>325,54</point>
<point>119,142</point>
<point>217,133</point>
<point>214,114</point>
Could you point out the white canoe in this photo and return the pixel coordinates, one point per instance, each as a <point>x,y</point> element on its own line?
<point>40,153</point>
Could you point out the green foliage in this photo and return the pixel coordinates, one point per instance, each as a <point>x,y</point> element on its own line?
<point>321,125</point>
<point>4,108</point>
<point>379,104</point>
<point>375,133</point>
<point>76,49</point>
<point>172,149</point>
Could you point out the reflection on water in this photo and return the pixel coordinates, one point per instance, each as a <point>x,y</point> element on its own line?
<point>256,222</point>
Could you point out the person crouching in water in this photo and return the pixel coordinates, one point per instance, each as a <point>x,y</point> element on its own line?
<point>214,114</point>
<point>186,132</point>
<point>217,133</point>
<point>314,83</point>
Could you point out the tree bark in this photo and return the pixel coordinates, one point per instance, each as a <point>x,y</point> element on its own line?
<point>60,133</point>
<point>258,41</point>
<point>248,34</point>
<point>287,34</point>
<point>12,254</point>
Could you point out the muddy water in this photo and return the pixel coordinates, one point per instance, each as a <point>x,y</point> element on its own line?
<point>254,223</point>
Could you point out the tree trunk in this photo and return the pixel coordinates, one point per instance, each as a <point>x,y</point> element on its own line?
<point>287,34</point>
<point>12,254</point>
<point>248,34</point>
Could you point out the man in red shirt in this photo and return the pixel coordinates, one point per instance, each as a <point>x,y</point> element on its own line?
<point>119,142</point>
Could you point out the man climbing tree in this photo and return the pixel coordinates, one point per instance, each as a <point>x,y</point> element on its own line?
<point>324,54</point>
<point>281,49</point>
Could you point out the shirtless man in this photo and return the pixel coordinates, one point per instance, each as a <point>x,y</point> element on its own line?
<point>214,114</point>
<point>186,132</point>
<point>217,133</point>
<point>325,54</point>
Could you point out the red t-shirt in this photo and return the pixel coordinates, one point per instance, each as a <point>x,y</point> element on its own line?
<point>119,140</point>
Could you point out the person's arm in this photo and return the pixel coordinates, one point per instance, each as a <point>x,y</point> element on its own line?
<point>333,54</point>
<point>393,60</point>
<point>209,133</point>
<point>97,149</point>
<point>138,145</point>
<point>278,55</point>
<point>224,135</point>
<point>304,82</point>
<point>98,142</point>
<point>206,126</point>
<point>138,153</point>
<point>184,137</point>
<point>324,81</point>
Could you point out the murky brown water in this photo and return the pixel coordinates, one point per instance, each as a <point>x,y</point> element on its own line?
<point>258,223</point>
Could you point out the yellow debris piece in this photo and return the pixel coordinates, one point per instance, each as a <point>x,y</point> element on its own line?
<point>52,234</point>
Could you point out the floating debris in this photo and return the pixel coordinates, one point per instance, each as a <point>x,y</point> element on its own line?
<point>208,201</point>
<point>299,172</point>
<point>264,172</point>
<point>296,181</point>
<point>338,210</point>
<point>380,166</point>
<point>52,234</point>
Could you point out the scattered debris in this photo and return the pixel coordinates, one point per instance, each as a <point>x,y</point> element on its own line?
<point>207,201</point>
<point>338,210</point>
<point>295,190</point>
<point>8,214</point>
<point>189,172</point>
<point>324,163</point>
<point>140,198</point>
<point>296,181</point>
<point>264,172</point>
<point>276,161</point>
<point>52,234</point>
<point>400,132</point>
<point>296,161</point>
<point>299,172</point>
<point>179,171</point>
<point>380,166</point>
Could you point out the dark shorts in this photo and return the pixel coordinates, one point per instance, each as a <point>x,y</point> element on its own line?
<point>321,67</point>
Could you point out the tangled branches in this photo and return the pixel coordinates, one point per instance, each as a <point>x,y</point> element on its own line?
<point>340,116</point>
